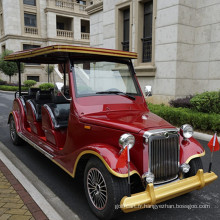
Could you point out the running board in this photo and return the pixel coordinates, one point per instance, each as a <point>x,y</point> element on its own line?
<point>35,146</point>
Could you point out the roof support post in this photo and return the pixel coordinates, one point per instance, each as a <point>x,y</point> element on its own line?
<point>19,76</point>
<point>64,72</point>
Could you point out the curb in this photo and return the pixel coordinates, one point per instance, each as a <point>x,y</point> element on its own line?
<point>203,136</point>
<point>11,92</point>
<point>49,203</point>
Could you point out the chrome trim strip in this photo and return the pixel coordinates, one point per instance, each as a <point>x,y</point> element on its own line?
<point>159,132</point>
<point>35,146</point>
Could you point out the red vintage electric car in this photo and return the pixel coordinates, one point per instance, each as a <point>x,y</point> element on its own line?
<point>87,121</point>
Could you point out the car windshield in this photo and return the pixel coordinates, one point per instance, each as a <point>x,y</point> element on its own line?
<point>102,77</point>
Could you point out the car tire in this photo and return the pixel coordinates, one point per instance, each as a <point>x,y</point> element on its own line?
<point>103,190</point>
<point>16,140</point>
<point>195,165</point>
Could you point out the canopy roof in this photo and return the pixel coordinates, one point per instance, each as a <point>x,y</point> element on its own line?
<point>60,53</point>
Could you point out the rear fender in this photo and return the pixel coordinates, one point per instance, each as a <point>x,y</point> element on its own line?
<point>15,115</point>
<point>18,114</point>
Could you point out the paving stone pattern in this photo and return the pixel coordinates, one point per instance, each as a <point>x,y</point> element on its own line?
<point>15,201</point>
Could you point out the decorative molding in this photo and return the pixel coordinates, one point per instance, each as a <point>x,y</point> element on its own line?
<point>22,37</point>
<point>62,12</point>
<point>95,8</point>
<point>145,70</point>
<point>56,40</point>
<point>39,39</point>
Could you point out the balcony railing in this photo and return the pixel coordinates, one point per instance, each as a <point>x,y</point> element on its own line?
<point>64,33</point>
<point>67,5</point>
<point>85,36</point>
<point>31,30</point>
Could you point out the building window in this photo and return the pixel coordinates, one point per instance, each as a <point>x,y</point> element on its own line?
<point>30,20</point>
<point>29,2</point>
<point>81,2</point>
<point>35,78</point>
<point>60,25</point>
<point>29,46</point>
<point>3,48</point>
<point>147,32</point>
<point>126,29</point>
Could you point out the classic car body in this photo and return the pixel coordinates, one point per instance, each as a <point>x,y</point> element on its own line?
<point>81,132</point>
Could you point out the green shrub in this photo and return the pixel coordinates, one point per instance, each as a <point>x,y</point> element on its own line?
<point>181,102</point>
<point>12,88</point>
<point>46,86</point>
<point>2,82</point>
<point>29,83</point>
<point>179,116</point>
<point>207,102</point>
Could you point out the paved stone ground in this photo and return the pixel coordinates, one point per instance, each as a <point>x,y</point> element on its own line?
<point>15,202</point>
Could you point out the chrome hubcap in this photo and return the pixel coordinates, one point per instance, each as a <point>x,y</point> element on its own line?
<point>12,130</point>
<point>97,188</point>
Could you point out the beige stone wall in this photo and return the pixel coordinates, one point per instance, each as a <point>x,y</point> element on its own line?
<point>206,73</point>
<point>14,35</point>
<point>186,44</point>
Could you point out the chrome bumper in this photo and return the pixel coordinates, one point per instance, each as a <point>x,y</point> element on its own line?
<point>162,193</point>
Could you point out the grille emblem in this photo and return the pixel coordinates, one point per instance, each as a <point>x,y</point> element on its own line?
<point>166,134</point>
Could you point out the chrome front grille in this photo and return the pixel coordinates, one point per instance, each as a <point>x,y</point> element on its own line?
<point>163,151</point>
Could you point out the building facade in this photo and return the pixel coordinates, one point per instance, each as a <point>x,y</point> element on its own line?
<point>26,24</point>
<point>177,41</point>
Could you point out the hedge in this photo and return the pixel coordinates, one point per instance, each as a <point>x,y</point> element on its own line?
<point>46,86</point>
<point>207,102</point>
<point>179,116</point>
<point>12,88</point>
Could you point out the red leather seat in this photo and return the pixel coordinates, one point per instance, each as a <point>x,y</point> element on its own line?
<point>35,125</point>
<point>33,107</point>
<point>54,123</point>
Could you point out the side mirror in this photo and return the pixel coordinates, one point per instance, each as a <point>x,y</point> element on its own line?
<point>59,86</point>
<point>148,90</point>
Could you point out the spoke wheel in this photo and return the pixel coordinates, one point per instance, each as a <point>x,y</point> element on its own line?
<point>12,130</point>
<point>13,133</point>
<point>103,190</point>
<point>195,165</point>
<point>97,188</point>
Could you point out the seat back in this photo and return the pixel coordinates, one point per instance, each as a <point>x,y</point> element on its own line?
<point>59,113</point>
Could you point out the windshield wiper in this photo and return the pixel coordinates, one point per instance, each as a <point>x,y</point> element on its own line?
<point>117,93</point>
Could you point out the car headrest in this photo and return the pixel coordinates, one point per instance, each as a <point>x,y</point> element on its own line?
<point>33,91</point>
<point>43,95</point>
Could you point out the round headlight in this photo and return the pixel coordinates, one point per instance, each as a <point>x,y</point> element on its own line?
<point>126,140</point>
<point>186,131</point>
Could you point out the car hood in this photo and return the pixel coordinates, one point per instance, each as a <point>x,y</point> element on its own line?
<point>130,121</point>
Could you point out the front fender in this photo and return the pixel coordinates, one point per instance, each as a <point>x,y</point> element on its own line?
<point>109,156</point>
<point>190,149</point>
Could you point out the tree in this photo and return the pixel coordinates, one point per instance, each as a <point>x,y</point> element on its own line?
<point>49,69</point>
<point>9,68</point>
